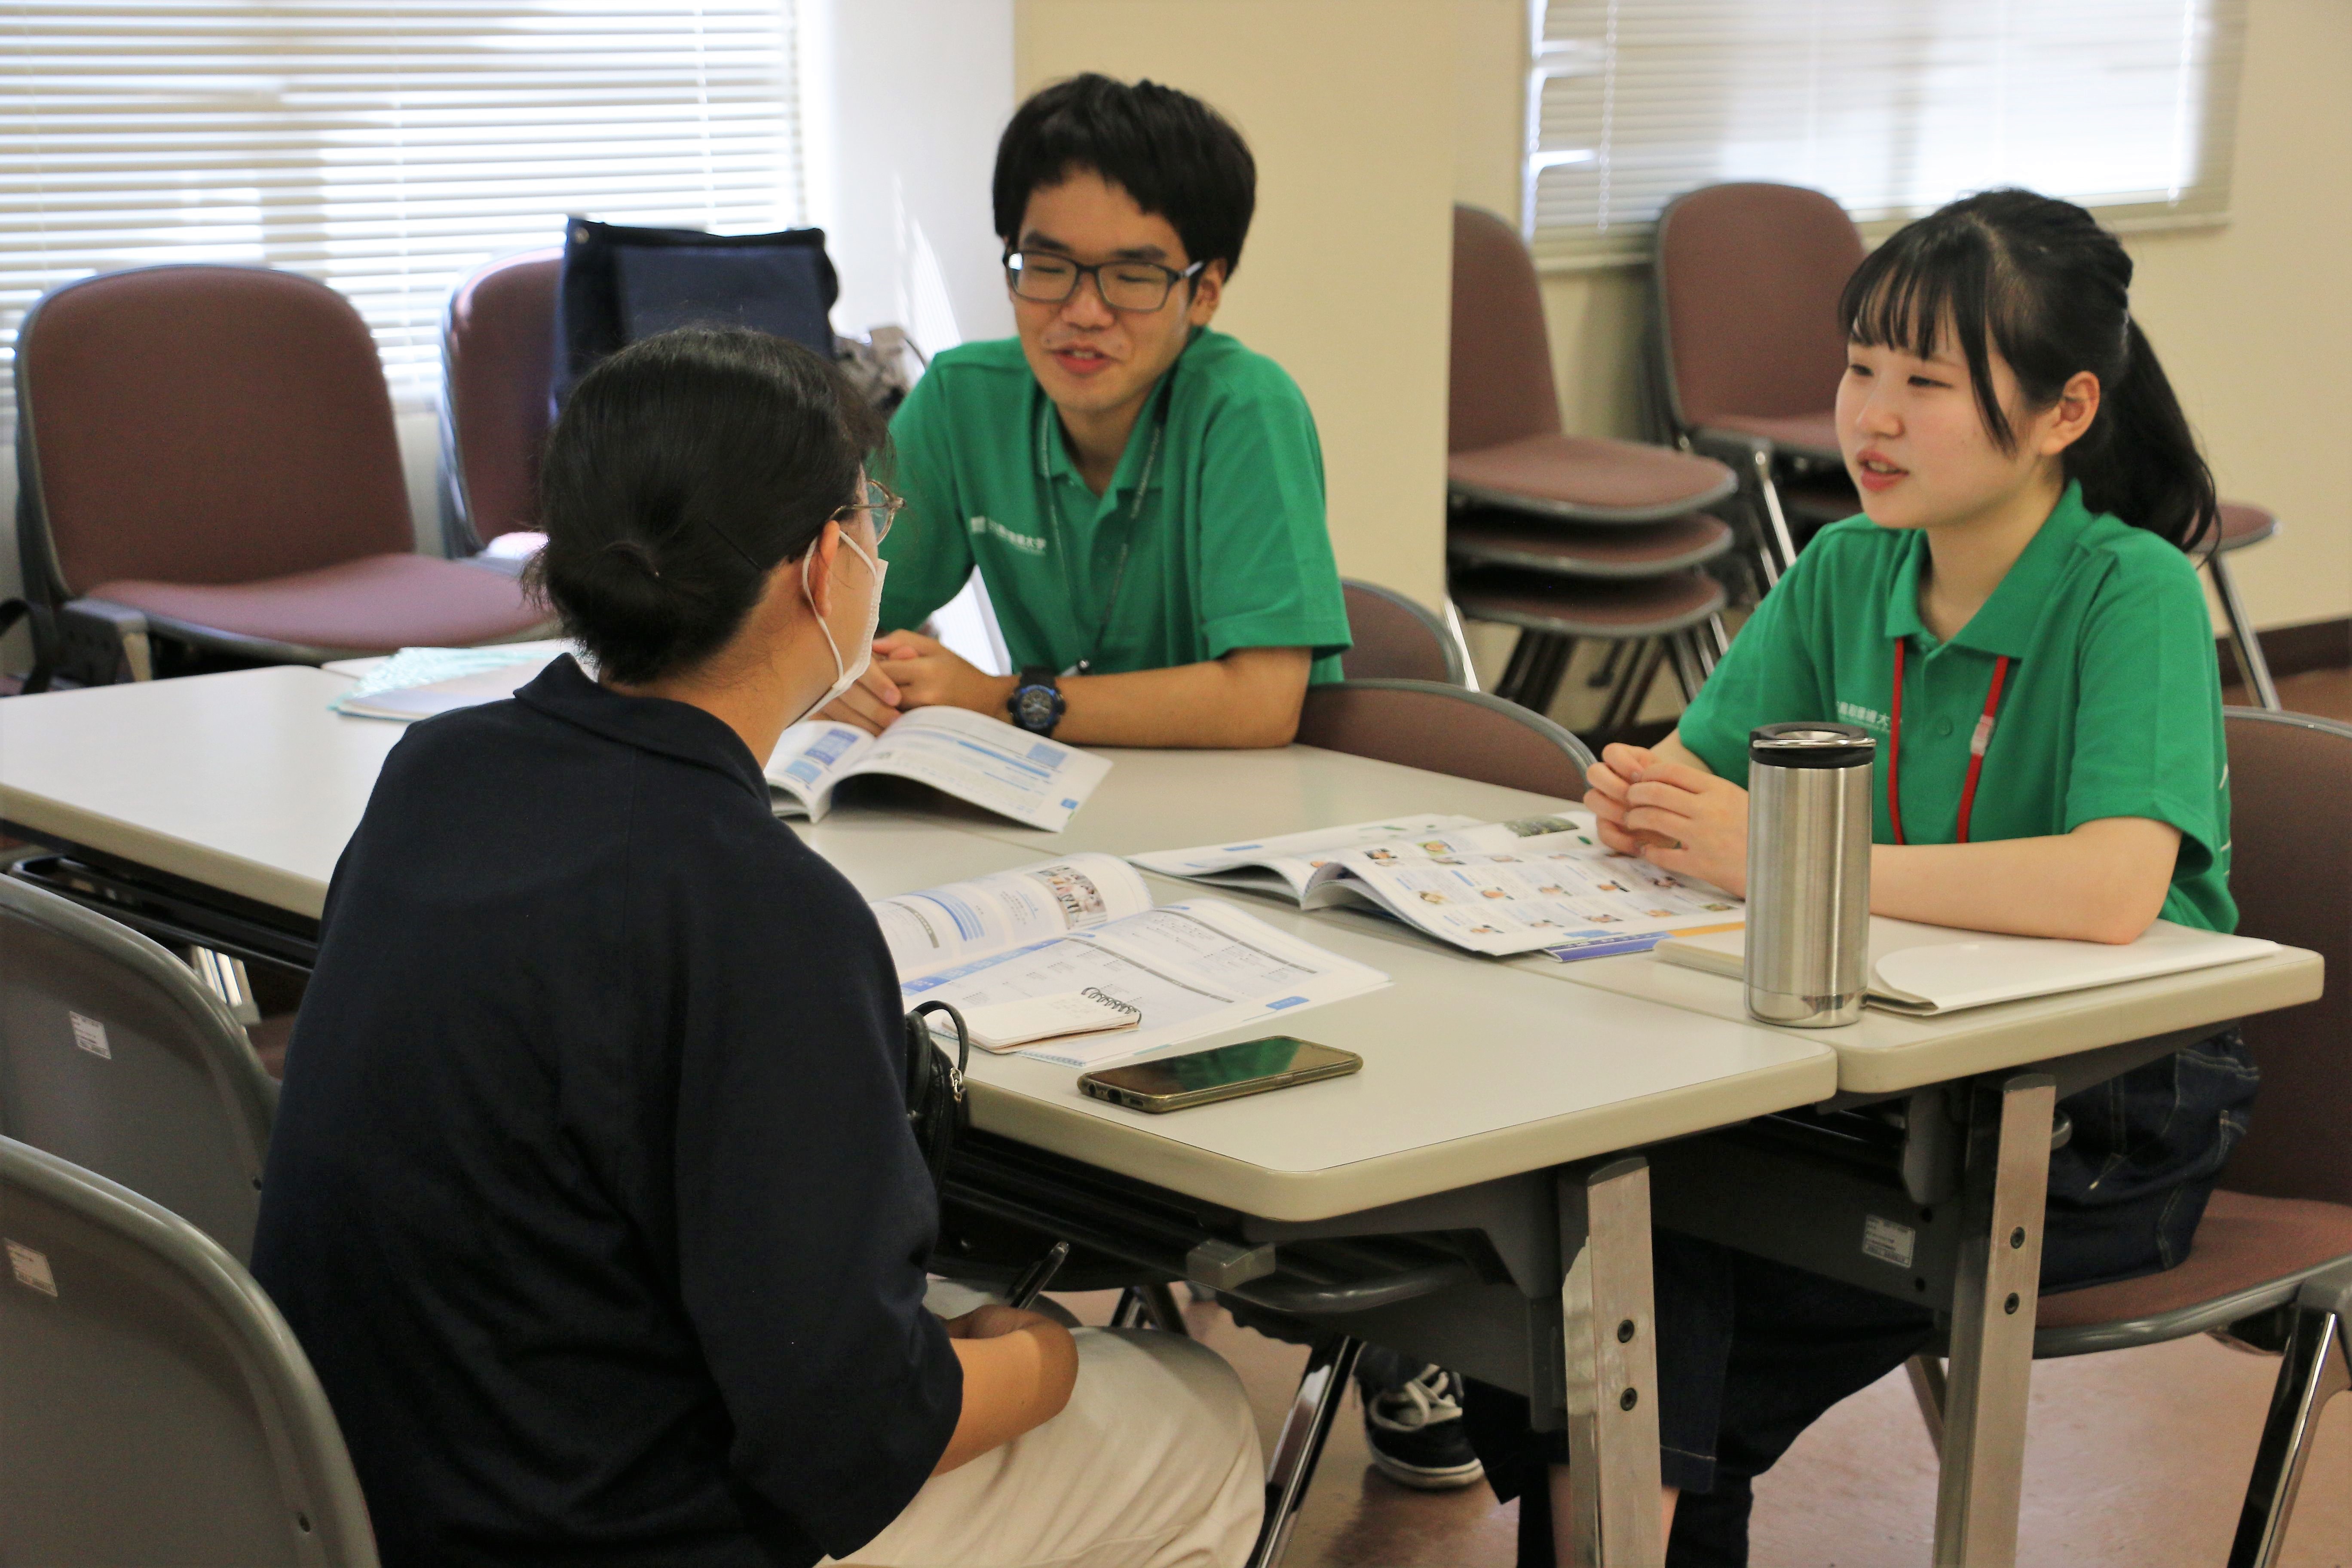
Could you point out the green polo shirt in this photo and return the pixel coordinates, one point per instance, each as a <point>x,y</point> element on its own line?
<point>2113,706</point>
<point>1217,503</point>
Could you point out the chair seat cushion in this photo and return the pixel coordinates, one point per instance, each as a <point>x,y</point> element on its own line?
<point>1588,480</point>
<point>373,604</point>
<point>1490,537</point>
<point>2243,523</point>
<point>2244,1241</point>
<point>1564,606</point>
<point>1808,434</point>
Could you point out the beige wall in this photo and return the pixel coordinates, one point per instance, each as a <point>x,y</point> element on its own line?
<point>2253,320</point>
<point>1349,106</point>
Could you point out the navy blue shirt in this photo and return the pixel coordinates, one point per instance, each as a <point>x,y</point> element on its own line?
<point>591,1196</point>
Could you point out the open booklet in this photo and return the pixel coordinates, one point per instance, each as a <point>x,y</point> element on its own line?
<point>419,682</point>
<point>1087,922</point>
<point>968,755</point>
<point>1497,888</point>
<point>1925,971</point>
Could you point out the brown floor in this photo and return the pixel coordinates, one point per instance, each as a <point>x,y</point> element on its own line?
<point>2134,1459</point>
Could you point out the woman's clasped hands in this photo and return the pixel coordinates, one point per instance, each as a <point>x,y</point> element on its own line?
<point>1675,814</point>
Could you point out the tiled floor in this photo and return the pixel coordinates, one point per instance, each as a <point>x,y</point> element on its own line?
<point>2134,1459</point>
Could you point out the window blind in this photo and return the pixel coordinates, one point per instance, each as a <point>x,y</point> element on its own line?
<point>387,147</point>
<point>2127,106</point>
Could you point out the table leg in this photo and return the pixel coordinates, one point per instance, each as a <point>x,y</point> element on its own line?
<point>2007,1183</point>
<point>1611,1365</point>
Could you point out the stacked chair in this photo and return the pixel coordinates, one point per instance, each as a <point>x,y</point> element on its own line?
<point>1747,351</point>
<point>1567,538</point>
<point>206,455</point>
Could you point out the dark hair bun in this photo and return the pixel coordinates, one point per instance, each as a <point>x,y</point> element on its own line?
<point>685,469</point>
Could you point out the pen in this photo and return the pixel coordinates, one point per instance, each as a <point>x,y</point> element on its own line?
<point>1041,1274</point>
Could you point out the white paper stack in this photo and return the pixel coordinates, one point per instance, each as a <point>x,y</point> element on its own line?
<point>1925,971</point>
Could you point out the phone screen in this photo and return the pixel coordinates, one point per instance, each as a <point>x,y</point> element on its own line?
<point>1226,1065</point>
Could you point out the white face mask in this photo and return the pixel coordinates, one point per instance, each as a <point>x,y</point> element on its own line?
<point>845,674</point>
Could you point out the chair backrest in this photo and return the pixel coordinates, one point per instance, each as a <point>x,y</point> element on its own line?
<point>114,1057</point>
<point>201,424</point>
<point>1500,388</point>
<point>498,397</point>
<point>1748,277</point>
<point>1396,639</point>
<point>1446,730</point>
<point>159,1409</point>
<point>2290,870</point>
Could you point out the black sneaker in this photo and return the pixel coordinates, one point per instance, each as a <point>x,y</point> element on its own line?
<point>1414,1429</point>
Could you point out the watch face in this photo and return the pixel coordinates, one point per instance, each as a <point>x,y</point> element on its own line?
<point>1037,707</point>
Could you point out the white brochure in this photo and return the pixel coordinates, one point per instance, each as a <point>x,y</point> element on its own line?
<point>962,921</point>
<point>1193,968</point>
<point>968,755</point>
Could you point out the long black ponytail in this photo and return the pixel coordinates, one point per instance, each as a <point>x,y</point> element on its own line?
<point>2039,281</point>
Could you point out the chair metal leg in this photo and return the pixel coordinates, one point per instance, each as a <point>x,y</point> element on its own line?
<point>1713,643</point>
<point>1461,642</point>
<point>2317,1367</point>
<point>1779,551</point>
<point>2244,641</point>
<point>1687,673</point>
<point>225,977</point>
<point>1607,673</point>
<point>1330,1366</point>
<point>1514,681</point>
<point>1550,664</point>
<point>1927,1387</point>
<point>1134,1309</point>
<point>1160,1304</point>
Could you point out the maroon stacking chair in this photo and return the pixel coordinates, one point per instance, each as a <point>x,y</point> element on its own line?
<point>2271,1268</point>
<point>498,363</point>
<point>1748,349</point>
<point>1565,537</point>
<point>1396,638</point>
<point>206,454</point>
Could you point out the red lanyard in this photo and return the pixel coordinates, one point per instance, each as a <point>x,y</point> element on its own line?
<point>1977,744</point>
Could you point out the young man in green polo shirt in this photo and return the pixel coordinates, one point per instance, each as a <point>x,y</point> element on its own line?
<point>1142,496</point>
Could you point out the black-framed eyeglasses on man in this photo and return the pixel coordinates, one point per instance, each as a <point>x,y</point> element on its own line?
<point>1045,279</point>
<point>881,503</point>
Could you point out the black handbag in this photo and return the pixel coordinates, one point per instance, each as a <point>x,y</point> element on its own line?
<point>936,1108</point>
<point>621,283</point>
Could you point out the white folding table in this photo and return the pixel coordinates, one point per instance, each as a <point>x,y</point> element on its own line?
<point>1495,1097</point>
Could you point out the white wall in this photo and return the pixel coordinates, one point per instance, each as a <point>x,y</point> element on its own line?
<point>907,99</point>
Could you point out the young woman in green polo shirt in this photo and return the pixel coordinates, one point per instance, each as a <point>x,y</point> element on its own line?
<point>2017,618</point>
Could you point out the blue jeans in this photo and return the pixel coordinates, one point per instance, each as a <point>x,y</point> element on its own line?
<point>1752,1352</point>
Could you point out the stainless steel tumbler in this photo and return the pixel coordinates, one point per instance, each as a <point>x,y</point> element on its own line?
<point>1808,935</point>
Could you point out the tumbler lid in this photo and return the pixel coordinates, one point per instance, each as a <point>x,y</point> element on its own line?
<point>1811,745</point>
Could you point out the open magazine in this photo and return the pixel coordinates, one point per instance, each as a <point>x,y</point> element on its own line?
<point>1497,888</point>
<point>1086,922</point>
<point>968,755</point>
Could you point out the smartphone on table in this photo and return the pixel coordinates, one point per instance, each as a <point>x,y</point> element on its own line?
<point>1226,1072</point>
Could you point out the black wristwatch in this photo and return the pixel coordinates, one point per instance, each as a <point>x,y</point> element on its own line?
<point>1037,704</point>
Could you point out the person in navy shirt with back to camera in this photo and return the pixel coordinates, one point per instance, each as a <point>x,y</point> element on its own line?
<point>591,1196</point>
